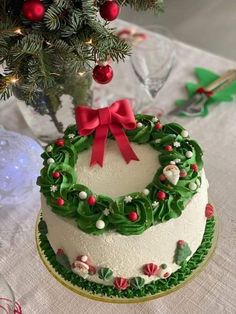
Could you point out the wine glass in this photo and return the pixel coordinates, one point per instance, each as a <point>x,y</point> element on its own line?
<point>7,299</point>
<point>152,61</point>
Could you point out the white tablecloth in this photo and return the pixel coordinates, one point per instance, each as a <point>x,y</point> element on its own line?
<point>214,290</point>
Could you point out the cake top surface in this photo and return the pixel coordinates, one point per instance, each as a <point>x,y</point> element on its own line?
<point>125,198</point>
<point>116,178</point>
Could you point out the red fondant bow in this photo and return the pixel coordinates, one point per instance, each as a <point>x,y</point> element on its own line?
<point>116,118</point>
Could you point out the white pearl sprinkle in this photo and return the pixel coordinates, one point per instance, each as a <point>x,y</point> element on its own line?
<point>146,192</point>
<point>49,148</point>
<point>100,224</point>
<point>158,140</point>
<point>172,162</point>
<point>84,258</point>
<point>184,133</point>
<point>189,154</point>
<point>192,186</point>
<point>50,161</point>
<point>139,125</point>
<point>71,135</point>
<point>83,195</point>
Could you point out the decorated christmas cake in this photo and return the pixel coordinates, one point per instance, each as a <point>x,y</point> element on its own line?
<point>125,210</point>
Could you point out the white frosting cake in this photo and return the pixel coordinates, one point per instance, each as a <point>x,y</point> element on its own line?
<point>126,255</point>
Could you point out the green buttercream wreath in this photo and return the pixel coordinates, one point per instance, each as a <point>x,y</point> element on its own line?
<point>114,214</point>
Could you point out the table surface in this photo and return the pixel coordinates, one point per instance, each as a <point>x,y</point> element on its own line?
<point>214,290</point>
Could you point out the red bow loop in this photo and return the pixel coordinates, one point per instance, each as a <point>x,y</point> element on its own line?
<point>116,118</point>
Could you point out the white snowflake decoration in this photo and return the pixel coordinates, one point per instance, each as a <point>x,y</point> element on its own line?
<point>177,144</point>
<point>128,199</point>
<point>155,119</point>
<point>53,188</point>
<point>106,212</point>
<point>155,204</point>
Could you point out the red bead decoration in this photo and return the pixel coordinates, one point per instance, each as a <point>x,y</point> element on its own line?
<point>109,10</point>
<point>168,148</point>
<point>102,74</point>
<point>150,269</point>
<point>60,201</point>
<point>158,126</point>
<point>209,211</point>
<point>194,167</point>
<point>121,283</point>
<point>162,177</point>
<point>56,175</point>
<point>60,142</point>
<point>133,216</point>
<point>91,200</point>
<point>161,195</point>
<point>33,10</point>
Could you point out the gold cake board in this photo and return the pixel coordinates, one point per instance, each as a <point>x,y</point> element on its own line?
<point>118,300</point>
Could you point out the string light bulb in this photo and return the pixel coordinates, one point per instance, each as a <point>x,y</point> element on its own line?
<point>18,31</point>
<point>89,41</point>
<point>14,80</point>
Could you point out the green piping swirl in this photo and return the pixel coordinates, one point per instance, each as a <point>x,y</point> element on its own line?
<point>86,216</point>
<point>151,288</point>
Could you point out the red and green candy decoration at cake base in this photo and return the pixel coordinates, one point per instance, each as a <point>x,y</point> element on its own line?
<point>182,252</point>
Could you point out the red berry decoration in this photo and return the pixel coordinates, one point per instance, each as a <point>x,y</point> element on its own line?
<point>161,195</point>
<point>60,252</point>
<point>121,283</point>
<point>33,10</point>
<point>109,10</point>
<point>168,148</point>
<point>60,201</point>
<point>158,126</point>
<point>91,200</point>
<point>209,211</point>
<point>133,216</point>
<point>102,74</point>
<point>194,167</point>
<point>60,142</point>
<point>56,175</point>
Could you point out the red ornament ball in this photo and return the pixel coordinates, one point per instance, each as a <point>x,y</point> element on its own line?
<point>158,126</point>
<point>194,167</point>
<point>209,211</point>
<point>168,148</point>
<point>33,10</point>
<point>60,142</point>
<point>56,175</point>
<point>161,195</point>
<point>102,74</point>
<point>133,216</point>
<point>91,200</point>
<point>109,10</point>
<point>60,201</point>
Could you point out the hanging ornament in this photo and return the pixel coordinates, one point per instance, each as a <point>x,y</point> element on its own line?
<point>102,74</point>
<point>33,10</point>
<point>109,10</point>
